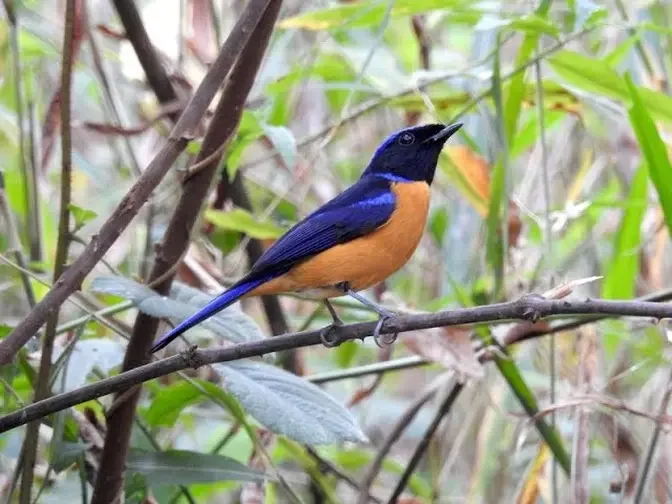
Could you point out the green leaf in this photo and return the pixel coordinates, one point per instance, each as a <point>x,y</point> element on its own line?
<point>33,47</point>
<point>65,454</point>
<point>194,146</point>
<point>621,275</point>
<point>81,216</point>
<point>438,224</point>
<point>528,133</point>
<point>653,149</point>
<point>289,405</point>
<point>182,467</point>
<point>344,354</point>
<point>231,323</point>
<point>244,222</point>
<point>171,400</point>
<point>597,77</point>
<point>363,14</point>
<point>284,142</point>
<point>87,355</point>
<point>5,330</point>
<point>618,54</point>
<point>495,245</point>
<point>522,391</point>
<point>249,131</point>
<point>514,99</point>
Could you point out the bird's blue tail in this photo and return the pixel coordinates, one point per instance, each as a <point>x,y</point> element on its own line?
<point>219,303</point>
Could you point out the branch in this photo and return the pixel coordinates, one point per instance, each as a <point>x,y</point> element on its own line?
<point>149,60</point>
<point>529,307</point>
<point>175,242</point>
<point>143,187</point>
<point>71,43</point>
<point>443,410</point>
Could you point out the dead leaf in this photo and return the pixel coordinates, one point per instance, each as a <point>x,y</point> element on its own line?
<point>449,346</point>
<point>110,33</point>
<point>531,489</point>
<point>201,41</point>
<point>474,171</point>
<point>52,123</point>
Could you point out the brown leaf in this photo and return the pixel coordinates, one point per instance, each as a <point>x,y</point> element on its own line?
<point>110,33</point>
<point>449,346</point>
<point>52,124</point>
<point>201,41</point>
<point>531,488</point>
<point>624,450</point>
<point>473,180</point>
<point>515,225</point>
<point>525,330</point>
<point>50,128</point>
<point>114,129</point>
<point>364,392</point>
<point>475,172</point>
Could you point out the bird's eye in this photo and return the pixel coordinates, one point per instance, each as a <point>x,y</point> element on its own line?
<point>407,139</point>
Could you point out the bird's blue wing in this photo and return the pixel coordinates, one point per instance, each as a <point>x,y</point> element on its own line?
<point>357,211</point>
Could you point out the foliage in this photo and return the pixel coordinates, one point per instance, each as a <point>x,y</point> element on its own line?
<point>560,174</point>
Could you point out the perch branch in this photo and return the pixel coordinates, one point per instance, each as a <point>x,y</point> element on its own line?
<point>530,307</point>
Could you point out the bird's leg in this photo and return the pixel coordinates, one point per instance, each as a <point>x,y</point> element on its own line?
<point>334,316</point>
<point>328,341</point>
<point>384,315</point>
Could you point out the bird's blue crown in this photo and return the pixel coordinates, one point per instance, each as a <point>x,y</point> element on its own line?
<point>410,154</point>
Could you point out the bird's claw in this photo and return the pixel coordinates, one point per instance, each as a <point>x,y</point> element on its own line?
<point>329,336</point>
<point>384,340</point>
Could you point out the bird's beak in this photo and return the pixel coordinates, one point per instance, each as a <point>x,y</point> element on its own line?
<point>445,133</point>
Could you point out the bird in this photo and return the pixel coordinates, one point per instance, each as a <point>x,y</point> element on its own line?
<point>352,242</point>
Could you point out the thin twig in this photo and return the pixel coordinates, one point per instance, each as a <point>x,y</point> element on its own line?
<point>32,222</point>
<point>395,433</point>
<point>369,369</point>
<point>14,242</point>
<point>653,444</point>
<point>424,442</point>
<point>328,467</point>
<point>42,388</point>
<point>641,50</point>
<point>139,193</point>
<point>513,338</point>
<point>580,490</point>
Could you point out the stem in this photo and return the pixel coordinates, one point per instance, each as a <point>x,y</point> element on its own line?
<point>42,387</point>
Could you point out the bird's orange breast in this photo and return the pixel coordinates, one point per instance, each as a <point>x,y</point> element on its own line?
<point>365,261</point>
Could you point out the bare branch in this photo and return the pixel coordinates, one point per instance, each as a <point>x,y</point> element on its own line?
<point>529,307</point>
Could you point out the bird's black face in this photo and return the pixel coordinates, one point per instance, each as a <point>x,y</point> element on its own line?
<point>412,153</point>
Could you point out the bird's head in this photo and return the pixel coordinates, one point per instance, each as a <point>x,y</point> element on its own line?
<point>411,153</point>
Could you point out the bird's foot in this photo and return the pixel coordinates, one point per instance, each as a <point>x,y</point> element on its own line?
<point>384,340</point>
<point>329,335</point>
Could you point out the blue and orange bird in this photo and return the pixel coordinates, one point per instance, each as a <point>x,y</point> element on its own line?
<point>352,242</point>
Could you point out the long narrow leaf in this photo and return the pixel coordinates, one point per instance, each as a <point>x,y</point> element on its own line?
<point>653,150</point>
<point>514,99</point>
<point>621,274</point>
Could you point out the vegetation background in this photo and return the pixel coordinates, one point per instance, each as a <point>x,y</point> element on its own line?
<point>560,177</point>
